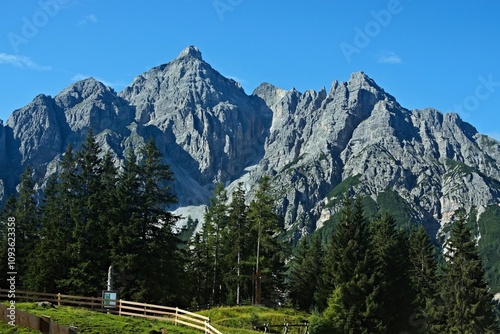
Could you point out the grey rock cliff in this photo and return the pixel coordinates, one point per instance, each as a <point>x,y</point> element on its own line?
<point>212,128</point>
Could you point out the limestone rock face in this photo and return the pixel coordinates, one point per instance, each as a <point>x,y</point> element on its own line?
<point>89,103</point>
<point>212,128</point>
<point>315,145</point>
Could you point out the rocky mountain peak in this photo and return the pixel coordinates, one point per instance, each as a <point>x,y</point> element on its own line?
<point>190,51</point>
<point>269,93</point>
<point>82,90</point>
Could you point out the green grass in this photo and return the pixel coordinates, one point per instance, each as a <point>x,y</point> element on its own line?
<point>229,320</point>
<point>344,186</point>
<point>8,329</point>
<point>100,323</point>
<point>240,320</point>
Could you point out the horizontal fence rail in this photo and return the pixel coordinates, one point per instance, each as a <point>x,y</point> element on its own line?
<point>122,308</point>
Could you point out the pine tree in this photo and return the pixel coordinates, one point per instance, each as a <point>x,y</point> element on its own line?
<point>125,234</point>
<point>27,223</point>
<point>349,276</point>
<point>236,248</point>
<point>216,217</point>
<point>160,280</point>
<point>424,277</point>
<point>299,284</point>
<point>394,293</point>
<point>90,244</point>
<point>269,257</point>
<point>51,257</point>
<point>467,303</point>
<point>306,272</point>
<point>198,271</point>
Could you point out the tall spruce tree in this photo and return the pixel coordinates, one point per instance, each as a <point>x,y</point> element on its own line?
<point>90,244</point>
<point>125,234</point>
<point>198,271</point>
<point>51,258</point>
<point>306,272</point>
<point>424,277</point>
<point>269,257</point>
<point>394,294</point>
<point>349,275</point>
<point>236,247</point>
<point>160,279</point>
<point>466,301</point>
<point>216,217</point>
<point>27,223</point>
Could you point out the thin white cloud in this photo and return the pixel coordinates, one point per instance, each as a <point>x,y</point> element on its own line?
<point>87,19</point>
<point>389,57</point>
<point>22,62</point>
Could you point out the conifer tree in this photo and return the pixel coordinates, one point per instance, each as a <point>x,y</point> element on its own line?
<point>467,303</point>
<point>424,277</point>
<point>349,275</point>
<point>90,244</point>
<point>298,280</point>
<point>27,223</point>
<point>198,271</point>
<point>125,233</point>
<point>306,272</point>
<point>160,279</point>
<point>216,217</point>
<point>236,247</point>
<point>394,293</point>
<point>269,257</point>
<point>51,257</point>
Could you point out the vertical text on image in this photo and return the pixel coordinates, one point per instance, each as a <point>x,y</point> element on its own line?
<point>11,265</point>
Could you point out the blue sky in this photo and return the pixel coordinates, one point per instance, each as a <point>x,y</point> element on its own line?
<point>441,54</point>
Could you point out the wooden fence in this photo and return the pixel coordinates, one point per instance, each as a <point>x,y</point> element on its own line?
<point>123,307</point>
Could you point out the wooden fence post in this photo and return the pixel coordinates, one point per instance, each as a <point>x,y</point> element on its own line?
<point>120,307</point>
<point>176,315</point>
<point>59,299</point>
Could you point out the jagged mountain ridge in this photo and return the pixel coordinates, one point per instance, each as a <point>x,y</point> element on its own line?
<point>209,130</point>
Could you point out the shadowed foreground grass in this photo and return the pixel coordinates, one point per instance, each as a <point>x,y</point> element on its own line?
<point>229,320</point>
<point>90,322</point>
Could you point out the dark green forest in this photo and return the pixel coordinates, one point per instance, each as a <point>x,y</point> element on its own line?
<point>365,276</point>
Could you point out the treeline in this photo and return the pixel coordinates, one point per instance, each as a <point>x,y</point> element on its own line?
<point>93,215</point>
<point>376,278</point>
<point>236,254</point>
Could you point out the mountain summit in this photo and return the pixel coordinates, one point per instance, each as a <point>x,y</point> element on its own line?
<point>190,51</point>
<point>317,146</point>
